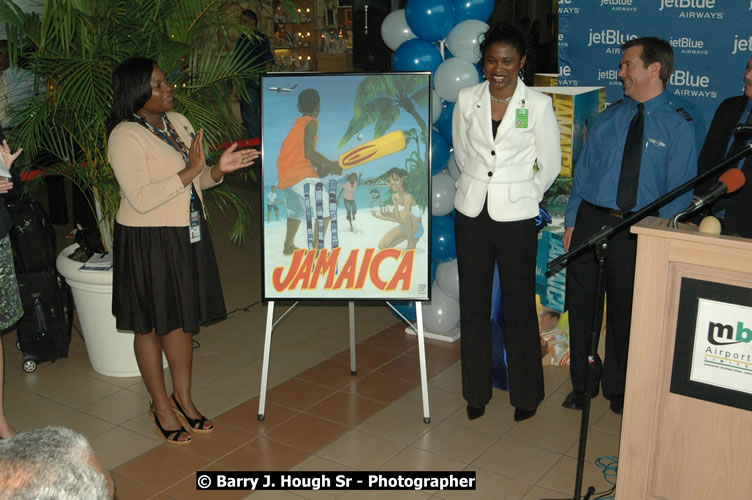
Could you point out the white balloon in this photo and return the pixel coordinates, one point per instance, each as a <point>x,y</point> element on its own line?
<point>436,106</point>
<point>442,194</point>
<point>394,29</point>
<point>452,168</point>
<point>442,314</point>
<point>448,278</point>
<point>453,75</point>
<point>464,39</point>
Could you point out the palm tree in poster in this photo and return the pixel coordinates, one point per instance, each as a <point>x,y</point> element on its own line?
<point>379,101</point>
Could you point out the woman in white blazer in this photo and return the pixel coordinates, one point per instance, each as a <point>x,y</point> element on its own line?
<point>500,130</point>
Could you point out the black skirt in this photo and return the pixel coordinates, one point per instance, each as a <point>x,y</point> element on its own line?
<point>162,281</point>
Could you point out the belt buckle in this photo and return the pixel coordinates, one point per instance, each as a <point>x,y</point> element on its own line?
<point>616,213</point>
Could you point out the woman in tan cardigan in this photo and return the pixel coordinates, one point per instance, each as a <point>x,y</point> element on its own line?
<point>166,282</point>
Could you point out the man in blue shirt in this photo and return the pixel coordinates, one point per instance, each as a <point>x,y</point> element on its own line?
<point>720,144</point>
<point>255,50</point>
<point>667,159</point>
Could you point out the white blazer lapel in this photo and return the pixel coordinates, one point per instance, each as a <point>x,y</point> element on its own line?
<point>482,109</point>
<point>507,123</point>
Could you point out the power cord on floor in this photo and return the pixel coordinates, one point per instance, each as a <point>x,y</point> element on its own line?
<point>197,344</point>
<point>608,466</point>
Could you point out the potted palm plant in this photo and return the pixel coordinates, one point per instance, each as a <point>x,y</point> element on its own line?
<point>71,49</point>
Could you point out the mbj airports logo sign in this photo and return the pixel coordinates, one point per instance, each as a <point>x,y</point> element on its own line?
<point>722,351</point>
<point>691,9</point>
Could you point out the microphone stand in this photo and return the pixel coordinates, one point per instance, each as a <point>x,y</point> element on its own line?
<point>599,243</point>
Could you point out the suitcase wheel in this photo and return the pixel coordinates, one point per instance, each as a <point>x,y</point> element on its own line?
<point>29,365</point>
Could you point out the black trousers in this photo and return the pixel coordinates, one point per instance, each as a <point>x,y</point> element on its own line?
<point>481,242</point>
<point>581,298</point>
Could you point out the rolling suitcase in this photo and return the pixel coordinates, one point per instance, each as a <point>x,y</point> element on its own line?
<point>32,236</point>
<point>44,331</point>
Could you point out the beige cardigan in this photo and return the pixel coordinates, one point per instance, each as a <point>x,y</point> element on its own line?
<point>146,167</point>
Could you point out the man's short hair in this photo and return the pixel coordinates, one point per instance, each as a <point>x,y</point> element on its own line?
<point>655,50</point>
<point>251,15</point>
<point>49,463</point>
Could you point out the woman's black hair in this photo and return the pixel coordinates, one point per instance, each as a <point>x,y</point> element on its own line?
<point>508,35</point>
<point>398,172</point>
<point>131,88</point>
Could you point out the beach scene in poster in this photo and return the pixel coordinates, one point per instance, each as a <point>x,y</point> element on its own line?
<point>346,185</point>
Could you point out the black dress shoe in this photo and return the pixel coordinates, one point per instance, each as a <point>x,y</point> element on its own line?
<point>574,400</point>
<point>520,414</point>
<point>474,412</point>
<point>617,404</point>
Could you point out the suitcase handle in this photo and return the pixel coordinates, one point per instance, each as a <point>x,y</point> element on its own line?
<point>39,313</point>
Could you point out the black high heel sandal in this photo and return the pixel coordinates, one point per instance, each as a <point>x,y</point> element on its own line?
<point>195,424</point>
<point>170,436</point>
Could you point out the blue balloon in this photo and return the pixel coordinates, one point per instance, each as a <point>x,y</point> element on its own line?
<point>443,248</point>
<point>472,9</point>
<point>439,153</point>
<point>431,20</point>
<point>444,123</point>
<point>406,308</point>
<point>416,55</point>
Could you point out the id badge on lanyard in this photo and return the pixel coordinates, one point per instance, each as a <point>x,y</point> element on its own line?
<point>194,227</point>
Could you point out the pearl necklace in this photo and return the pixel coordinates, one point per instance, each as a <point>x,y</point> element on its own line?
<point>506,99</point>
<point>164,128</point>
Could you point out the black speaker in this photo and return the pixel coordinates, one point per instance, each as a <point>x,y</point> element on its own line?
<point>369,50</point>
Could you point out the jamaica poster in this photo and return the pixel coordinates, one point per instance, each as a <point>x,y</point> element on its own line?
<point>346,186</point>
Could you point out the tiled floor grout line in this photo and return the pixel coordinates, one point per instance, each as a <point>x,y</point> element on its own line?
<point>298,412</point>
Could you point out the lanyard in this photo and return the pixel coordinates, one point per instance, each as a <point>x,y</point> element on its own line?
<point>180,147</point>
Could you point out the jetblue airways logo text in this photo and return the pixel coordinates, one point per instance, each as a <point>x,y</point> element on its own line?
<point>608,37</point>
<point>742,44</point>
<point>692,9</point>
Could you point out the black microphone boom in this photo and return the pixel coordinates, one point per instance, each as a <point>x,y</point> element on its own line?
<point>743,130</point>
<point>556,263</point>
<point>729,182</point>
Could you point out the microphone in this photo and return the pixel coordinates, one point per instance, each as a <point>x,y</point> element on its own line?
<point>730,181</point>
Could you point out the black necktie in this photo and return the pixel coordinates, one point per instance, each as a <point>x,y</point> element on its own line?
<point>629,178</point>
<point>740,140</point>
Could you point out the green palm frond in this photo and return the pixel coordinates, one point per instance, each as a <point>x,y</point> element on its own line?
<point>225,199</point>
<point>72,49</point>
<point>380,99</point>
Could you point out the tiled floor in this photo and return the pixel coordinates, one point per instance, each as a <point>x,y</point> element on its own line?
<point>318,416</point>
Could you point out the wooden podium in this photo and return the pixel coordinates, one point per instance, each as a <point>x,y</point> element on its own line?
<point>676,446</point>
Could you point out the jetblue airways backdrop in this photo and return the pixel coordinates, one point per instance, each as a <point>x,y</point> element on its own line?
<point>712,41</point>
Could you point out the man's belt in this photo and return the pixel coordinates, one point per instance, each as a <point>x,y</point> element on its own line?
<point>606,210</point>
